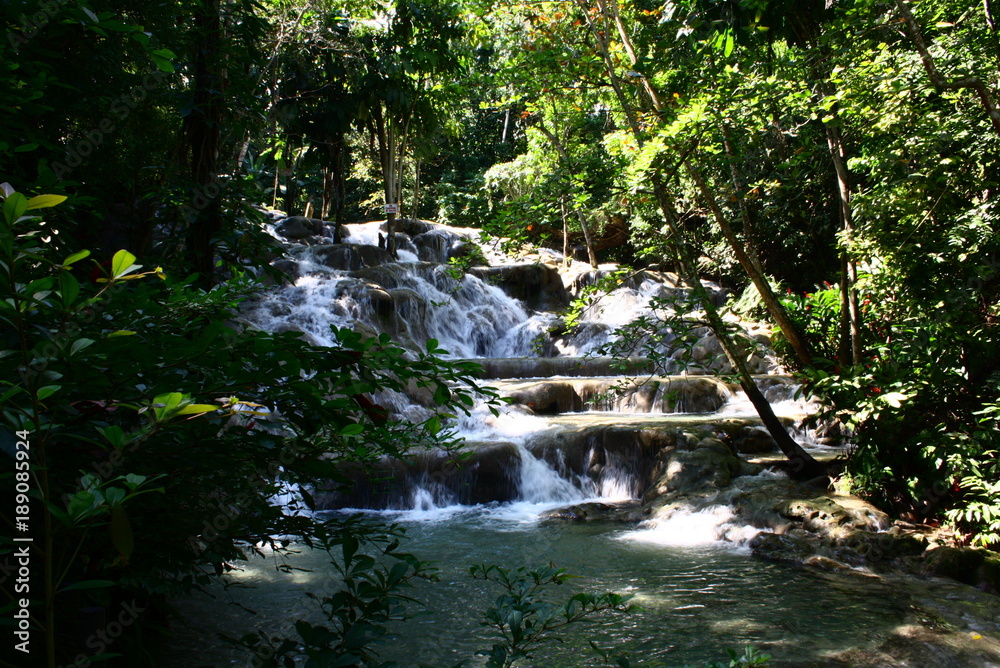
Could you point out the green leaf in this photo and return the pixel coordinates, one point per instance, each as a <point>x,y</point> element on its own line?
<point>895,399</point>
<point>163,59</point>
<point>80,344</point>
<point>352,430</point>
<point>434,425</point>
<point>165,405</point>
<point>14,207</point>
<point>123,263</point>
<point>69,288</point>
<point>192,409</point>
<point>121,332</point>
<point>46,201</point>
<point>133,480</point>
<point>76,257</point>
<point>47,391</point>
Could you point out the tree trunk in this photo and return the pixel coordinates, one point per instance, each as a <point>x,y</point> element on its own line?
<point>939,81</point>
<point>570,167</point>
<point>203,133</point>
<point>415,205</point>
<point>849,296</point>
<point>774,307</point>
<point>334,189</point>
<point>384,134</point>
<point>804,466</point>
<point>565,222</point>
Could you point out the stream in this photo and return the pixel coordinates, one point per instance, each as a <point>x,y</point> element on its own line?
<point>562,442</point>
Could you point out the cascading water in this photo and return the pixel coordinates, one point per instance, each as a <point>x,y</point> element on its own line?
<point>357,285</point>
<point>556,450</point>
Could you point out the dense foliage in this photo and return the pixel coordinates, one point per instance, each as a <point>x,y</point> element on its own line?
<point>844,155</point>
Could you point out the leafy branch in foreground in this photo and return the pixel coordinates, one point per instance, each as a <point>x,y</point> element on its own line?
<point>523,619</point>
<point>373,576</point>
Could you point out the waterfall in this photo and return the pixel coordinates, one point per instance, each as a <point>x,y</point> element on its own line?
<point>534,454</point>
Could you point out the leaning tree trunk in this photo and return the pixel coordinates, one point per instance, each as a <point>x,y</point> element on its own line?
<point>803,464</point>
<point>752,269</point>
<point>203,135</point>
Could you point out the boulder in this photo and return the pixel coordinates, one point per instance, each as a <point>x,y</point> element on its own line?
<point>754,441</point>
<point>290,268</point>
<point>824,516</point>
<point>412,226</point>
<point>779,547</point>
<point>299,227</point>
<point>538,285</point>
<point>972,566</point>
<point>595,511</point>
<point>548,398</point>
<point>433,247</point>
<point>710,465</point>
<point>350,257</point>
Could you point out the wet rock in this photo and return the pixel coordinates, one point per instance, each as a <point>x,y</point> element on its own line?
<point>825,563</point>
<point>433,247</point>
<point>968,565</point>
<point>481,476</point>
<point>299,227</point>
<point>775,547</point>
<point>290,268</point>
<point>413,226</point>
<point>548,398</point>
<point>625,511</point>
<point>544,367</point>
<point>537,285</point>
<point>350,257</point>
<point>824,516</point>
<point>877,547</point>
<point>754,441</point>
<point>463,249</point>
<point>710,465</point>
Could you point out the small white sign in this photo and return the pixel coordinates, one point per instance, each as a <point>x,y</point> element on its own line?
<point>391,208</point>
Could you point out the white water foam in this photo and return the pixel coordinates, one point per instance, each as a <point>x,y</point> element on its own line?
<point>688,527</point>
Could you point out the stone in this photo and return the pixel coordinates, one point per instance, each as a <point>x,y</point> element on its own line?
<point>290,268</point>
<point>957,563</point>
<point>594,511</point>
<point>824,516</point>
<point>538,285</point>
<point>413,227</point>
<point>825,563</point>
<point>299,227</point>
<point>711,465</point>
<point>775,547</point>
<point>548,398</point>
<point>350,257</point>
<point>755,441</point>
<point>432,247</point>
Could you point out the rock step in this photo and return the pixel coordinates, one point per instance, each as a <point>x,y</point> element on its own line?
<point>630,458</point>
<point>673,394</point>
<point>546,367</point>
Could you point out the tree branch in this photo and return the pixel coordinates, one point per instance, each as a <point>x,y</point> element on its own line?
<point>938,79</point>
